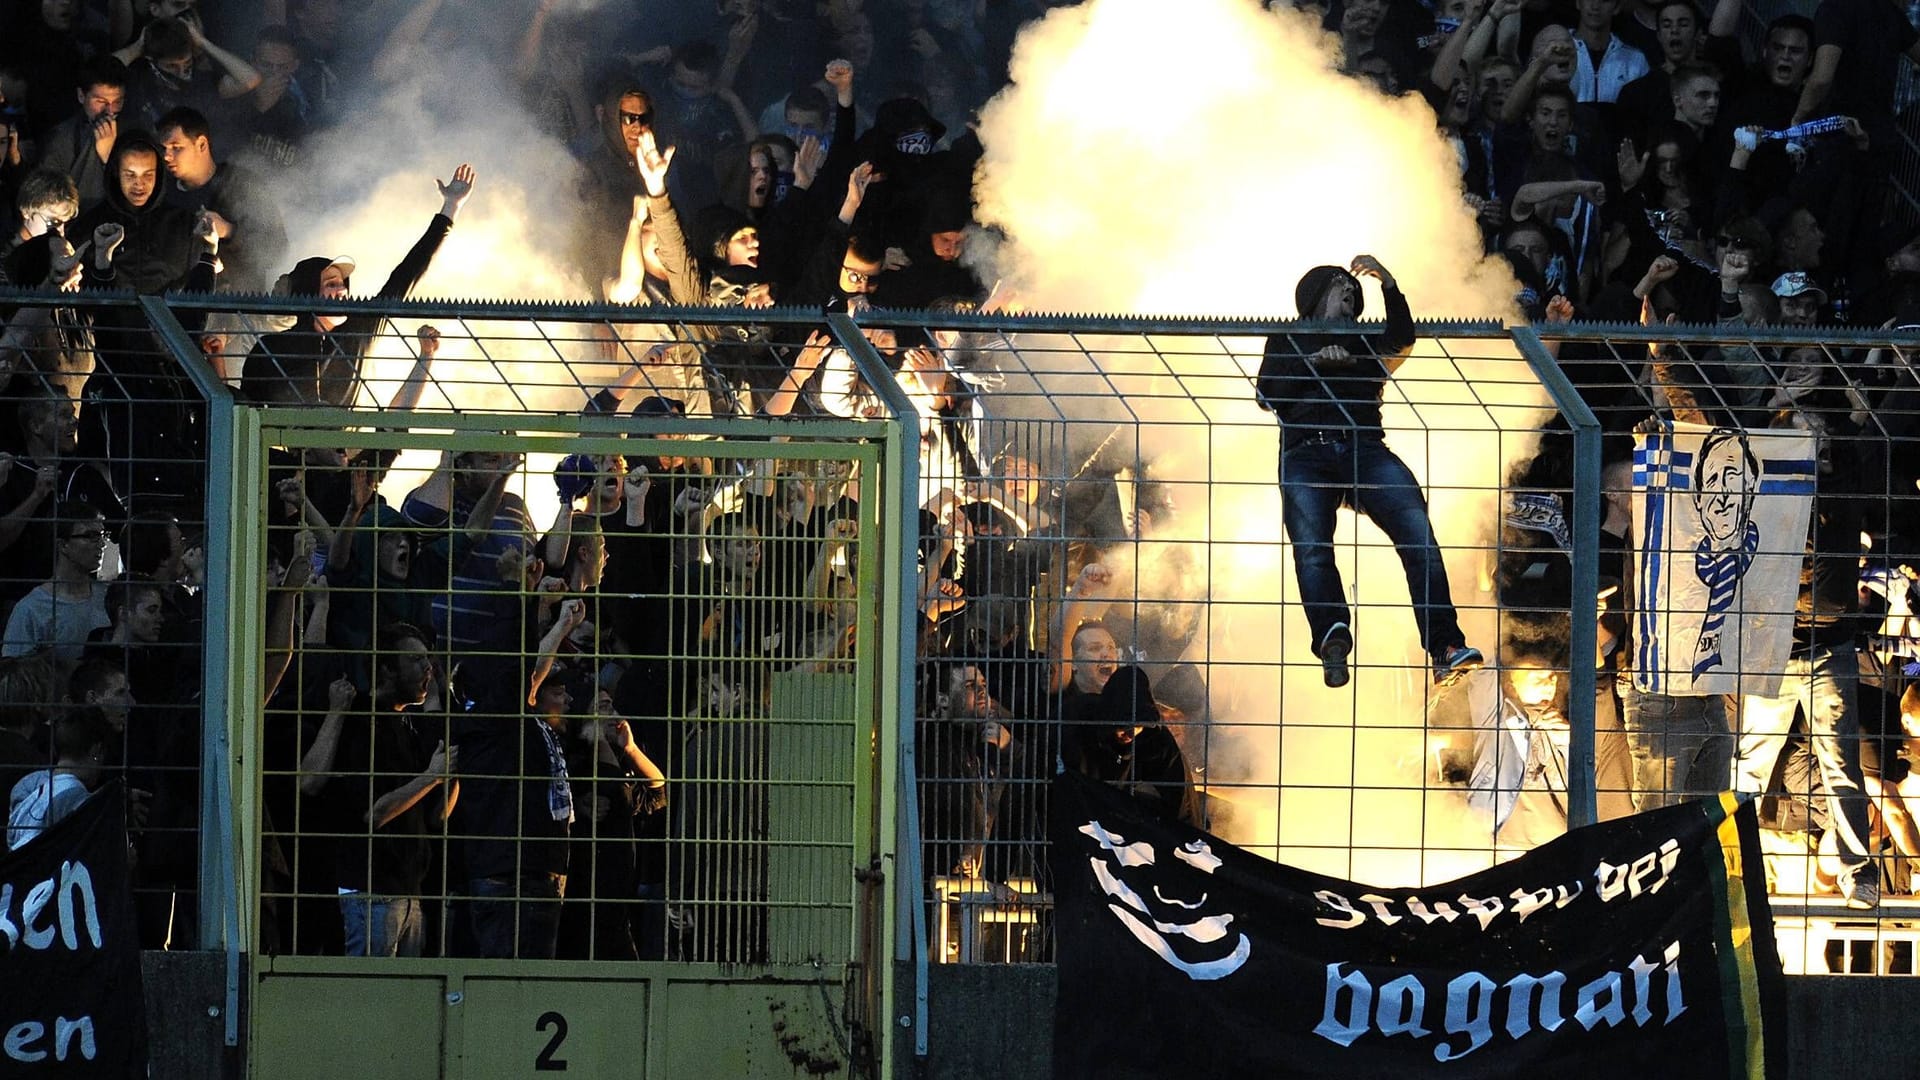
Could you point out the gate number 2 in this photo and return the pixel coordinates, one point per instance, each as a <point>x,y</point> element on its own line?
<point>545,1061</point>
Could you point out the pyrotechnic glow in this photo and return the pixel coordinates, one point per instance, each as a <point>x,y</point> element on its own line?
<point>370,194</point>
<point>1196,158</point>
<point>1190,157</point>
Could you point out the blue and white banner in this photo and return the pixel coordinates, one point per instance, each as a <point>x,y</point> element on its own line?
<point>1720,519</point>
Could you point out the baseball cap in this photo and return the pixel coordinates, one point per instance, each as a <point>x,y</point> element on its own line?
<point>1796,283</point>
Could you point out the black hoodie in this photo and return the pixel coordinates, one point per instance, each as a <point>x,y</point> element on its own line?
<point>306,357</point>
<point>160,253</point>
<point>1343,397</point>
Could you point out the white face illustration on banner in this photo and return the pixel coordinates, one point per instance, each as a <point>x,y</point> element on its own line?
<point>1725,488</point>
<point>1207,947</point>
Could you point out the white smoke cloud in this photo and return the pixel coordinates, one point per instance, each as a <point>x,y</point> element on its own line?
<point>1196,158</point>
<point>369,191</point>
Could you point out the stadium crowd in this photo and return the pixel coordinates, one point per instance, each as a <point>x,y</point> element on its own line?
<point>465,705</point>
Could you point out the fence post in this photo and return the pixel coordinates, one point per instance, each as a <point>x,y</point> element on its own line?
<point>1584,610</point>
<point>900,497</point>
<point>221,920</point>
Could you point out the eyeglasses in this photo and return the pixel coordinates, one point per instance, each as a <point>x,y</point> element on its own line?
<point>629,119</point>
<point>858,277</point>
<point>92,537</point>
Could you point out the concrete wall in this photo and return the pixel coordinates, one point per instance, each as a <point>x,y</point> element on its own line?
<point>995,1022</point>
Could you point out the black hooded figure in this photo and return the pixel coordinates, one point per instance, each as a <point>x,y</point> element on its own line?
<point>317,360</point>
<point>1125,744</point>
<point>140,417</point>
<point>159,252</point>
<point>1325,387</point>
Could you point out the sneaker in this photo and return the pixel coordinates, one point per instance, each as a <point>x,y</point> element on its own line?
<point>1860,885</point>
<point>1333,655</point>
<point>1455,662</point>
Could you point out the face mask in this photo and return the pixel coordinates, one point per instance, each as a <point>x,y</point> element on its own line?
<point>916,143</point>
<point>801,134</point>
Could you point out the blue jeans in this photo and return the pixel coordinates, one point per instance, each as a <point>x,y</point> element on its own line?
<point>1682,747</point>
<point>1316,480</point>
<point>377,927</point>
<point>517,917</point>
<point>1825,685</point>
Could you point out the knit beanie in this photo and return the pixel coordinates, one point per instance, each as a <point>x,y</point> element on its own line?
<point>1314,286</point>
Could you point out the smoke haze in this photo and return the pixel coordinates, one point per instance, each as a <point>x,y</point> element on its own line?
<point>1196,158</point>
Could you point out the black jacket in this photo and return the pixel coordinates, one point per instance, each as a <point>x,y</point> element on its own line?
<point>160,253</point>
<point>1344,397</point>
<point>332,358</point>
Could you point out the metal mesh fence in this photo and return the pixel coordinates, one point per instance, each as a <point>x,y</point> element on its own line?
<point>578,682</point>
<point>1403,775</point>
<point>1105,573</point>
<point>103,482</point>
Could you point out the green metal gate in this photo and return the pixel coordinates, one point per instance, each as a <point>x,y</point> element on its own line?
<point>780,818</point>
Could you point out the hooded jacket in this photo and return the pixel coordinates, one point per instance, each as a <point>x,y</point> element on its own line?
<point>1343,397</point>
<point>160,252</point>
<point>331,359</point>
<point>1148,764</point>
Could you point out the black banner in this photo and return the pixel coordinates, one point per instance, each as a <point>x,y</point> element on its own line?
<point>1639,944</point>
<point>70,1000</point>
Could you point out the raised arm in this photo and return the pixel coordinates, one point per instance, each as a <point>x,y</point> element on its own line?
<point>1725,20</point>
<point>526,57</point>
<point>454,193</point>
<point>1520,98</point>
<point>360,486</point>
<point>283,611</point>
<point>804,365</point>
<point>239,77</point>
<point>1396,342</point>
<point>399,57</point>
<point>1826,67</point>
<point>480,521</point>
<point>619,736</point>
<point>407,397</point>
<point>1085,601</point>
<point>572,613</point>
<point>684,283</point>
<point>316,765</point>
<point>626,288</point>
<point>1452,56</point>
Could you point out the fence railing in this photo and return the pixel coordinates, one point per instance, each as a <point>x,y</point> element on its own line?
<point>1032,507</point>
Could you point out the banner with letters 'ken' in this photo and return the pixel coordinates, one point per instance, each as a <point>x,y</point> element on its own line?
<point>70,998</point>
<point>1638,947</point>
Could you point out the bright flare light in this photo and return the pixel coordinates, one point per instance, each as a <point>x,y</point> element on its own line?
<point>1196,158</point>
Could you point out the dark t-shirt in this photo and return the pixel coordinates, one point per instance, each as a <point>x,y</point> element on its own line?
<point>511,772</point>
<point>379,753</point>
<point>151,93</point>
<point>1872,34</point>
<point>506,790</point>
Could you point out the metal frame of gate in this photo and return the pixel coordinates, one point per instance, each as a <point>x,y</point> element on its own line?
<point>238,437</point>
<point>823,1013</point>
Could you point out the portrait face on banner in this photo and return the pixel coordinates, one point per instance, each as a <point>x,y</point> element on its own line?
<point>1725,481</point>
<point>1720,519</point>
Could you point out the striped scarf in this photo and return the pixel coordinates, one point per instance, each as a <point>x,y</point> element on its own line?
<point>1720,572</point>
